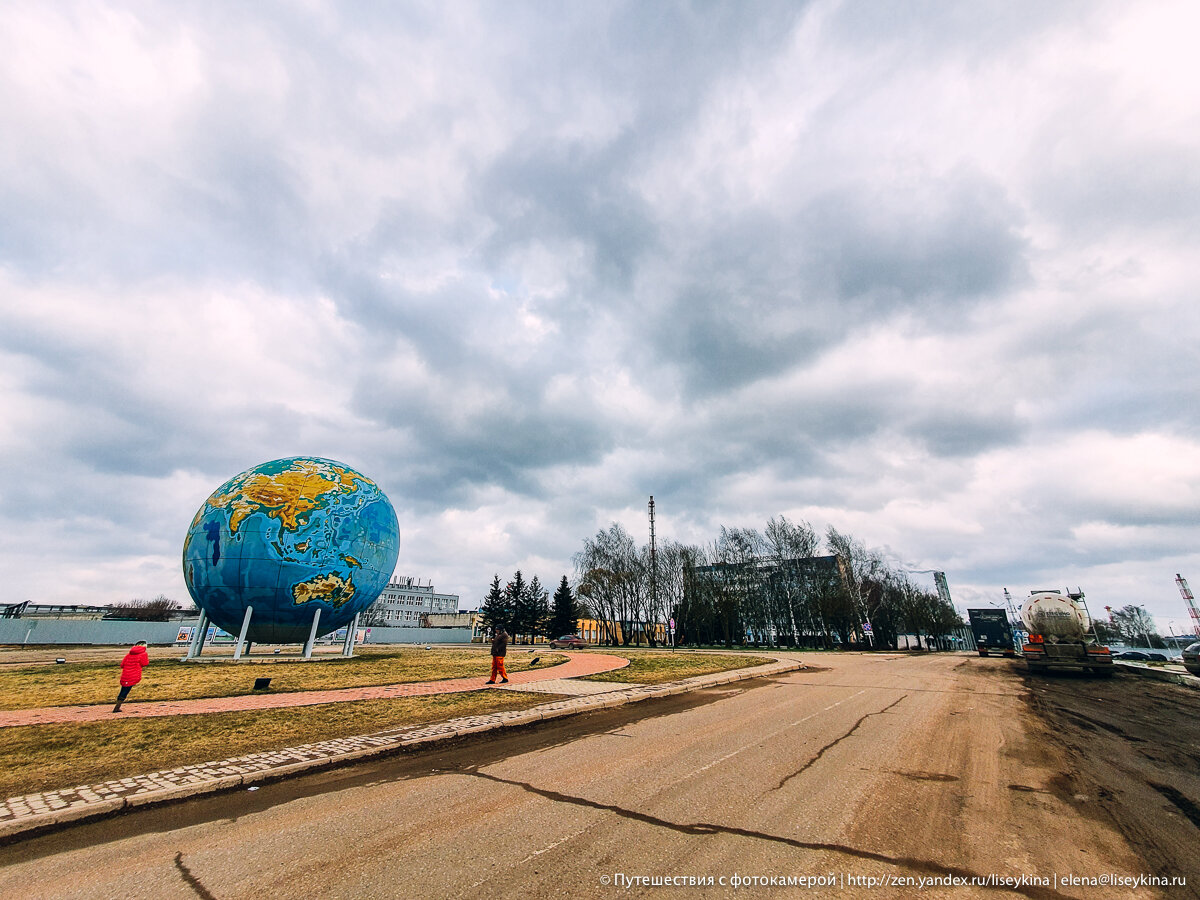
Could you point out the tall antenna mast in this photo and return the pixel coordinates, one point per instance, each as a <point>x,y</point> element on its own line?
<point>653,563</point>
<point>1190,601</point>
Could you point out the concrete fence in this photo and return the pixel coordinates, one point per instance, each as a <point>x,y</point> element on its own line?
<point>418,635</point>
<point>32,631</point>
<point>103,632</point>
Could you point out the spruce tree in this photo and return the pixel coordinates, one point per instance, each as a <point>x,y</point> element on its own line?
<point>539,608</point>
<point>494,612</point>
<point>564,617</point>
<point>516,599</point>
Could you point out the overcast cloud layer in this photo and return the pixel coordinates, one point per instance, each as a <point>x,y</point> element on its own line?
<point>924,271</point>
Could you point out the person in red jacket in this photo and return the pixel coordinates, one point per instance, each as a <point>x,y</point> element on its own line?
<point>131,671</point>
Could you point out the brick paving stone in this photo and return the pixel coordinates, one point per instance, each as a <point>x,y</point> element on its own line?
<point>567,686</point>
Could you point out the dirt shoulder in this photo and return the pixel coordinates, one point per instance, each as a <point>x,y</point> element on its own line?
<point>1135,744</point>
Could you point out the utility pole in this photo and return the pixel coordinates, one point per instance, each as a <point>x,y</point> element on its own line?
<point>1014,619</point>
<point>1012,610</point>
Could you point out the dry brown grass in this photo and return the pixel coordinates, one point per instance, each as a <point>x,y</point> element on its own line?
<point>47,757</point>
<point>84,683</point>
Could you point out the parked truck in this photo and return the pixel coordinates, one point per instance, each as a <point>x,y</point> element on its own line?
<point>1061,635</point>
<point>992,632</point>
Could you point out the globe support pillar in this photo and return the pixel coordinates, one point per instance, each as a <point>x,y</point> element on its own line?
<point>196,647</point>
<point>351,637</point>
<point>312,634</point>
<point>237,654</point>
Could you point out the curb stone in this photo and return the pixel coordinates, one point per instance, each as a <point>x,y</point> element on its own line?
<point>1183,678</point>
<point>36,813</point>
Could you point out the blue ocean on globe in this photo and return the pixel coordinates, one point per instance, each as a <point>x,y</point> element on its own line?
<point>289,537</point>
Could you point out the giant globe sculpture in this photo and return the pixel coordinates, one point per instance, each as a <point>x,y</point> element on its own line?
<point>288,538</point>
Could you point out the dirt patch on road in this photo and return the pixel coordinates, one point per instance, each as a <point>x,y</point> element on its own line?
<point>1136,746</point>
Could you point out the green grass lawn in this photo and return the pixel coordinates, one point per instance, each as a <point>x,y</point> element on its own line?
<point>48,757</point>
<point>658,666</point>
<point>84,683</point>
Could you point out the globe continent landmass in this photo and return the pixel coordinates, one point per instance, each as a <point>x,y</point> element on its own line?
<point>289,537</point>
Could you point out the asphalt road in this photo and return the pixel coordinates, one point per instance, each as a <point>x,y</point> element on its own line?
<point>875,767</point>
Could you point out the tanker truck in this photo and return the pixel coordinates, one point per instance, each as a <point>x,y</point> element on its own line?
<point>1061,635</point>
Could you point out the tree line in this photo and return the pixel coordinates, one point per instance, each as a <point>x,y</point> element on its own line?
<point>1131,625</point>
<point>525,610</point>
<point>782,586</point>
<point>160,609</point>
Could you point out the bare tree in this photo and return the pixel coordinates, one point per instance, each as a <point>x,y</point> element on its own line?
<point>741,552</point>
<point>673,560</point>
<point>1135,625</point>
<point>861,568</point>
<point>786,545</point>
<point>761,587</point>
<point>373,617</point>
<point>614,582</point>
<point>160,609</point>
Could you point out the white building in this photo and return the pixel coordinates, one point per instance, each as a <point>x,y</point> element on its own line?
<point>405,600</point>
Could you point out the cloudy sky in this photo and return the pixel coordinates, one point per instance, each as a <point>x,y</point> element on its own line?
<point>924,271</point>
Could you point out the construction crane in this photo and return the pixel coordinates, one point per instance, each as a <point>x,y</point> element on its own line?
<point>1012,608</point>
<point>1190,601</point>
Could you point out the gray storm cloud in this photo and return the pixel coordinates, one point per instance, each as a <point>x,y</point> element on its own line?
<point>926,275</point>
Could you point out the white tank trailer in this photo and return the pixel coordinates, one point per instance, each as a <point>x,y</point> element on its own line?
<point>1061,636</point>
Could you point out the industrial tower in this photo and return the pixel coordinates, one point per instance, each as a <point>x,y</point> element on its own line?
<point>1190,601</point>
<point>653,561</point>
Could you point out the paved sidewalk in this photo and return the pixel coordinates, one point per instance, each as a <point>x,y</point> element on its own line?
<point>576,666</point>
<point>37,812</point>
<point>569,687</point>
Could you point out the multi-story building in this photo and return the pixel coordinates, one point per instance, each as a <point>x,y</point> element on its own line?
<point>405,600</point>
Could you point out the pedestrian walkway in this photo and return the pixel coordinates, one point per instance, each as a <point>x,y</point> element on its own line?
<point>570,687</point>
<point>576,666</point>
<point>36,812</point>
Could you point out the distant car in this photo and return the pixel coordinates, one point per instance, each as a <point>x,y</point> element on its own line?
<point>570,641</point>
<point>1132,654</point>
<point>1191,658</point>
<point>1156,657</point>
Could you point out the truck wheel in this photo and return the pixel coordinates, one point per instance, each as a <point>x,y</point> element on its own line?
<point>983,653</point>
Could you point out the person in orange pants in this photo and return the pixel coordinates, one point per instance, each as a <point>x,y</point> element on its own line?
<point>499,651</point>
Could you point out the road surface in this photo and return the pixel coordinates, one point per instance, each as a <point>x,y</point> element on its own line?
<point>871,770</point>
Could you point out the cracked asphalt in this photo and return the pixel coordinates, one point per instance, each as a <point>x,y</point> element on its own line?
<point>896,767</point>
